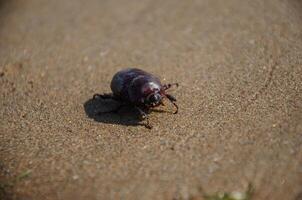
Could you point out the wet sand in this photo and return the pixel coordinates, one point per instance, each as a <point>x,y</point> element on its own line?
<point>239,65</point>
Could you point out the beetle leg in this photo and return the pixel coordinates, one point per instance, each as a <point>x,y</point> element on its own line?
<point>170,97</point>
<point>102,96</point>
<point>105,96</point>
<point>172,100</point>
<point>167,86</point>
<point>144,116</point>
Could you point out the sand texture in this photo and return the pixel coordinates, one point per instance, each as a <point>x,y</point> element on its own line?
<point>239,65</point>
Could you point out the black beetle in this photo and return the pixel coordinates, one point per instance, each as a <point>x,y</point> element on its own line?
<point>140,89</point>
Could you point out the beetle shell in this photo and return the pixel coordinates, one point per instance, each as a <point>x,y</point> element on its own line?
<point>133,85</point>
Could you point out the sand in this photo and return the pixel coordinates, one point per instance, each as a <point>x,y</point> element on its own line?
<point>239,65</point>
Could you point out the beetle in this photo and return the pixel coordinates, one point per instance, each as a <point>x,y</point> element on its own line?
<point>140,89</point>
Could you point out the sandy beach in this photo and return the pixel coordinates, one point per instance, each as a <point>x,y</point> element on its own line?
<point>239,66</point>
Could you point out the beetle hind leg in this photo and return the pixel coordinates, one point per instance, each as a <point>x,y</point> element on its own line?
<point>105,96</point>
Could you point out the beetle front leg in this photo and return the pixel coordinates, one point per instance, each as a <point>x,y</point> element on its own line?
<point>144,116</point>
<point>172,100</point>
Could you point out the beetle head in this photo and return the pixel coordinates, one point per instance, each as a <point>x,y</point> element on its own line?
<point>153,99</point>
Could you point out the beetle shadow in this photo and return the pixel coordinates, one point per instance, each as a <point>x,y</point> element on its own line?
<point>99,110</point>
